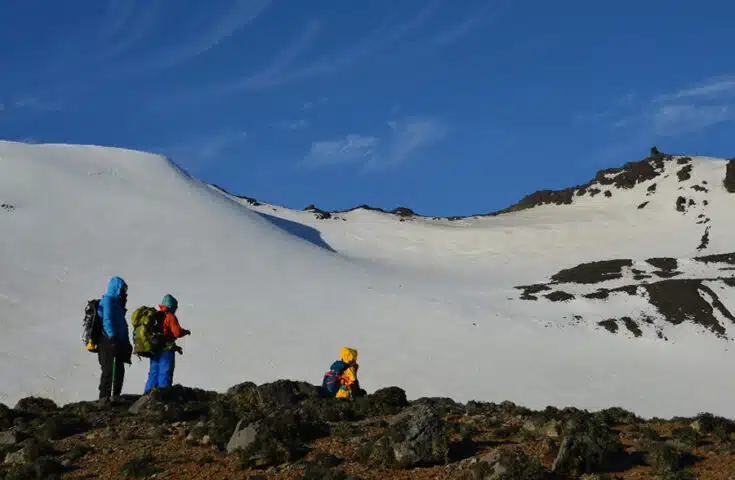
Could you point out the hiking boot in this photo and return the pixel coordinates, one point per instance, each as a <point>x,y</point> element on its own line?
<point>103,401</point>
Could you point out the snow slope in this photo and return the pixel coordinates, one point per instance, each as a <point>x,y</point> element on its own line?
<point>431,304</point>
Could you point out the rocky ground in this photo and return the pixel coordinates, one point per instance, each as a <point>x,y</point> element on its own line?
<point>282,430</point>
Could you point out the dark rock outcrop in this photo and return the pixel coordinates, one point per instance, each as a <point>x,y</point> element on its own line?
<point>593,272</point>
<point>416,437</point>
<point>278,438</point>
<point>685,173</point>
<point>680,300</point>
<point>559,296</point>
<point>318,212</point>
<point>728,258</point>
<point>729,181</point>
<point>589,446</point>
<point>663,263</point>
<point>174,404</point>
<point>503,464</point>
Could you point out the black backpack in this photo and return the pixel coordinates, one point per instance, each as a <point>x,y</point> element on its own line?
<point>91,326</point>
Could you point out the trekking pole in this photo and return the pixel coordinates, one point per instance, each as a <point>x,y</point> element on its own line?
<point>114,368</point>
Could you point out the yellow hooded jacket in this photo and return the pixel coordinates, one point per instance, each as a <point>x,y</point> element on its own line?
<point>349,377</point>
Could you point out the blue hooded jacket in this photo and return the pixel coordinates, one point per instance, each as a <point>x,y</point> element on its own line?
<point>112,311</point>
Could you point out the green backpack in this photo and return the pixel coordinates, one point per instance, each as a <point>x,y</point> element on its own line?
<point>148,339</point>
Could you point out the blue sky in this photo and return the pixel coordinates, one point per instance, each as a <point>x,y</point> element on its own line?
<point>451,107</point>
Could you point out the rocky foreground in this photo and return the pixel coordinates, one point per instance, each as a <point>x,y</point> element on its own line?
<point>283,430</point>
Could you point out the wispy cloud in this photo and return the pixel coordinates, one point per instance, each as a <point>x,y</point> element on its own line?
<point>714,88</point>
<point>491,10</point>
<point>31,104</point>
<point>383,36</point>
<point>407,138</point>
<point>137,26</point>
<point>670,114</point>
<point>284,68</point>
<point>352,149</point>
<point>222,27</point>
<point>674,120</point>
<point>277,71</point>
<point>404,139</point>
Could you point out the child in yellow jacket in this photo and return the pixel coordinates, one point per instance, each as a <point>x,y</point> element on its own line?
<point>349,376</point>
<point>341,379</point>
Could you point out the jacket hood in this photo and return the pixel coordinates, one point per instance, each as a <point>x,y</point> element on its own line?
<point>114,288</point>
<point>348,355</point>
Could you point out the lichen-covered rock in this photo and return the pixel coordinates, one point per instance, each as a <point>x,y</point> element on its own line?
<point>6,417</point>
<point>28,453</point>
<point>275,439</point>
<point>664,459</point>
<point>588,446</point>
<point>285,393</point>
<point>415,437</point>
<point>548,428</point>
<point>441,405</point>
<point>502,464</point>
<point>10,438</point>
<point>385,401</point>
<point>36,405</point>
<point>174,404</point>
<point>56,427</point>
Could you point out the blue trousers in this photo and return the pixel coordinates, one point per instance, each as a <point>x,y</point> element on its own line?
<point>161,371</point>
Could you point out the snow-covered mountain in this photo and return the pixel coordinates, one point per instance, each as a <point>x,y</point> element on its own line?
<point>617,292</point>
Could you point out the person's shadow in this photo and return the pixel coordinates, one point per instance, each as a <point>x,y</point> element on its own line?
<point>310,234</point>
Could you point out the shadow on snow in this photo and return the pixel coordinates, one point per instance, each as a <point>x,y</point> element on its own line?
<point>305,232</point>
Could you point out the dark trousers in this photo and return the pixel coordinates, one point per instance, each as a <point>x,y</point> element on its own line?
<point>113,369</point>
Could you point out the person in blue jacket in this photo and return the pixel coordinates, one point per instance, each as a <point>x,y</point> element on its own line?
<point>115,349</point>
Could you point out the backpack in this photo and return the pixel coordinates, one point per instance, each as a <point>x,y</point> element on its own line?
<point>333,378</point>
<point>148,339</point>
<point>91,326</point>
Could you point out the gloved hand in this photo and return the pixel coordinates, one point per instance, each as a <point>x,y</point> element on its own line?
<point>178,349</point>
<point>128,354</point>
<point>185,332</point>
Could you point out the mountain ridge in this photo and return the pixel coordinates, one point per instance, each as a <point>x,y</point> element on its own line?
<point>626,176</point>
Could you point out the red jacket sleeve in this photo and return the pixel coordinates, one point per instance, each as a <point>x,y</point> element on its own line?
<point>171,327</point>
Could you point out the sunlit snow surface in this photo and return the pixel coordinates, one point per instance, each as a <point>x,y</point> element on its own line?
<point>430,304</point>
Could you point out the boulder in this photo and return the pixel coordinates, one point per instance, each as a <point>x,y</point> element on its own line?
<point>285,393</point>
<point>419,437</point>
<point>385,401</point>
<point>45,467</point>
<point>415,437</point>
<point>441,405</point>
<point>276,439</point>
<point>174,404</point>
<point>27,454</point>
<point>36,405</point>
<point>547,428</point>
<point>56,427</point>
<point>502,464</point>
<point>10,437</point>
<point>243,436</point>
<point>248,396</point>
<point>588,446</point>
<point>6,417</point>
